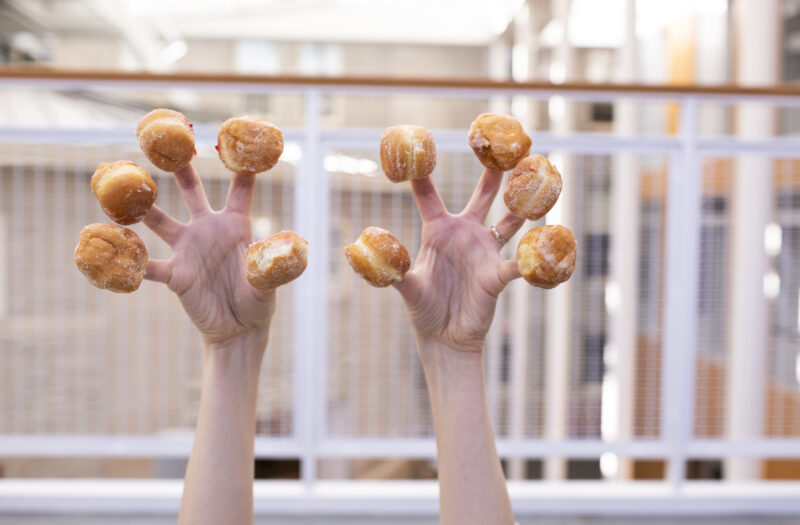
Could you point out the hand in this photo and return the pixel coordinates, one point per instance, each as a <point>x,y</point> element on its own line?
<point>452,291</point>
<point>207,268</point>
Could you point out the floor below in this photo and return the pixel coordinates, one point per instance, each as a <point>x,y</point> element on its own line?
<point>522,520</point>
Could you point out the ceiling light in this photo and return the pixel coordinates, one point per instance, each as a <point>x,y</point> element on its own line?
<point>351,165</point>
<point>174,51</point>
<point>773,239</point>
<point>613,297</point>
<point>797,368</point>
<point>292,153</point>
<point>772,285</point>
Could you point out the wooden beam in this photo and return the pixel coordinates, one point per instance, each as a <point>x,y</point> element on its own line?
<point>38,73</point>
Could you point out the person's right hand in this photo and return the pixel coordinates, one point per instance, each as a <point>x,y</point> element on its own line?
<point>207,267</point>
<point>452,291</point>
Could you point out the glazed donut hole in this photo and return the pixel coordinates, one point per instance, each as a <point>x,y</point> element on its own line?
<point>249,144</point>
<point>407,152</point>
<point>124,190</point>
<point>111,257</point>
<point>276,260</point>
<point>379,257</point>
<point>533,188</point>
<point>546,255</point>
<point>498,141</point>
<point>167,139</point>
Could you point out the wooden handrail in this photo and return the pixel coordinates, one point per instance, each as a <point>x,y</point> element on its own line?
<point>37,73</point>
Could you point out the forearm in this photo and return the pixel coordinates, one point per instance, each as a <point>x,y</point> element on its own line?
<point>219,478</point>
<point>471,482</point>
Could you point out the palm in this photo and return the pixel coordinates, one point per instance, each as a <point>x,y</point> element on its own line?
<point>457,266</point>
<point>207,268</point>
<point>208,275</point>
<point>452,291</point>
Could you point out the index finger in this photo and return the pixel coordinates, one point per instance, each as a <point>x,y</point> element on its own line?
<point>240,194</point>
<point>191,188</point>
<point>429,201</point>
<point>484,194</point>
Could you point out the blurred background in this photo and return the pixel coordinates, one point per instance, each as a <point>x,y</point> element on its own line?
<point>662,380</point>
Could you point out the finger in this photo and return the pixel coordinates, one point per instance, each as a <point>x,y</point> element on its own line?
<point>410,287</point>
<point>263,295</point>
<point>163,225</point>
<point>484,194</point>
<point>240,194</point>
<point>429,201</point>
<point>191,188</point>
<point>509,225</point>
<point>508,271</point>
<point>159,271</point>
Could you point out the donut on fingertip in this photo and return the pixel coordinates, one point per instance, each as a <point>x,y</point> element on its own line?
<point>533,188</point>
<point>546,255</point>
<point>167,139</point>
<point>249,144</point>
<point>379,257</point>
<point>276,260</point>
<point>111,257</point>
<point>125,191</point>
<point>498,141</point>
<point>407,152</point>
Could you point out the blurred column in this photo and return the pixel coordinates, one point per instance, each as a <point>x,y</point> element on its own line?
<point>758,31</point>
<point>499,69</point>
<point>621,291</point>
<point>712,65</point>
<point>4,251</point>
<point>523,58</point>
<point>525,61</point>
<point>558,300</point>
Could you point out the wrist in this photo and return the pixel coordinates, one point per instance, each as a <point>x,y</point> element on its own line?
<point>248,340</point>
<point>239,355</point>
<point>444,363</point>
<point>439,353</point>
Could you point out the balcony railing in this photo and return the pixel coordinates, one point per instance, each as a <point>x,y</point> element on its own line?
<point>667,348</point>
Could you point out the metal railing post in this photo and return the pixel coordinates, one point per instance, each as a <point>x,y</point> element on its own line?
<point>680,312</point>
<point>310,336</point>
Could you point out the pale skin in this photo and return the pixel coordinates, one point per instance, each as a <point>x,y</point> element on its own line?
<point>206,272</point>
<point>450,294</point>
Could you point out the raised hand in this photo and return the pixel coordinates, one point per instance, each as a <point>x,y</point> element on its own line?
<point>206,269</point>
<point>207,272</point>
<point>451,295</point>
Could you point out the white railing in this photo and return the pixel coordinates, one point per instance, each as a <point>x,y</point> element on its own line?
<point>310,439</point>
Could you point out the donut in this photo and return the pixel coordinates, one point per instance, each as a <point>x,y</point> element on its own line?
<point>249,144</point>
<point>166,138</point>
<point>407,152</point>
<point>546,256</point>
<point>498,141</point>
<point>378,257</point>
<point>533,188</point>
<point>277,260</point>
<point>124,190</point>
<point>111,257</point>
